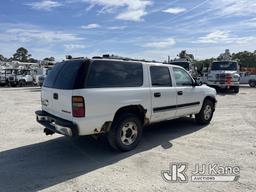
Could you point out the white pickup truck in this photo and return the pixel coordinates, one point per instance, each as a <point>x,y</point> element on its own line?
<point>118,97</point>
<point>247,78</point>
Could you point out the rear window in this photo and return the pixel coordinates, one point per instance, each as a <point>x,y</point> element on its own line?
<point>105,74</point>
<point>64,75</point>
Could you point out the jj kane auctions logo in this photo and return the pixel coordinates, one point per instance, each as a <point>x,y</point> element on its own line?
<point>202,173</point>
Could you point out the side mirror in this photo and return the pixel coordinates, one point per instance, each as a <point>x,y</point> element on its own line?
<point>197,82</point>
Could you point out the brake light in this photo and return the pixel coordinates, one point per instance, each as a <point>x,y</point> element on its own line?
<point>78,107</point>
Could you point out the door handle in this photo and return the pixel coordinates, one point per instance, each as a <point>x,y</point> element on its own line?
<point>180,93</point>
<point>55,96</point>
<point>157,94</point>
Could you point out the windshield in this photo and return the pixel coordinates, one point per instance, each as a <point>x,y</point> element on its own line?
<point>225,65</point>
<point>185,65</point>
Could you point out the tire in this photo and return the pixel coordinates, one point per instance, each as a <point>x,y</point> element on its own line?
<point>22,83</point>
<point>12,85</point>
<point>252,83</point>
<point>205,115</point>
<point>125,133</point>
<point>236,89</point>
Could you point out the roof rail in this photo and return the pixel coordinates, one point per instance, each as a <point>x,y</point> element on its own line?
<point>107,56</point>
<point>69,57</point>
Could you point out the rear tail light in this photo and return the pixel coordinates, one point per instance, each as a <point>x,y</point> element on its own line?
<point>78,107</point>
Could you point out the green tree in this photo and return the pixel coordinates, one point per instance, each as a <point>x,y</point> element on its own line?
<point>32,60</point>
<point>21,55</point>
<point>245,58</point>
<point>49,59</point>
<point>2,58</point>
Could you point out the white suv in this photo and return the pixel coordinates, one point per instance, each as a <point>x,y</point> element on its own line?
<point>119,97</point>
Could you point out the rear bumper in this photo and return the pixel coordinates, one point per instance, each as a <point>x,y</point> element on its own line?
<point>56,124</point>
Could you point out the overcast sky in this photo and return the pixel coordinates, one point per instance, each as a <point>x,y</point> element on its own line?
<point>150,29</point>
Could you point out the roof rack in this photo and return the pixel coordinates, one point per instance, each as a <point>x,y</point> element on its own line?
<point>69,57</point>
<point>107,56</point>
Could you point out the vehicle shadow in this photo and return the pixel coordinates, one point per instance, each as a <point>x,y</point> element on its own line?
<point>42,165</point>
<point>225,92</point>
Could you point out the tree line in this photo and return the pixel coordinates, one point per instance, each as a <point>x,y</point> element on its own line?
<point>22,55</point>
<point>245,58</point>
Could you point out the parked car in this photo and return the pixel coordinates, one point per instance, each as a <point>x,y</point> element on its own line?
<point>118,98</point>
<point>16,77</point>
<point>8,77</point>
<point>24,78</point>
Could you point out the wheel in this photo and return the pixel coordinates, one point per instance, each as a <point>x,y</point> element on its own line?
<point>22,83</point>
<point>252,83</point>
<point>205,115</point>
<point>12,85</point>
<point>236,89</point>
<point>125,133</point>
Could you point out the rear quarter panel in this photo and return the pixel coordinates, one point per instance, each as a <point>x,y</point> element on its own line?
<point>102,104</point>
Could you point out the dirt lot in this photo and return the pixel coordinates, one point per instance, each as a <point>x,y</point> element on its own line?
<point>31,161</point>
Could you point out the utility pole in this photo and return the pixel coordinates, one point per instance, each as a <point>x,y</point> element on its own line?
<point>169,59</point>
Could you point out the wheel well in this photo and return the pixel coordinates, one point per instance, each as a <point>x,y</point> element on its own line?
<point>137,110</point>
<point>212,99</point>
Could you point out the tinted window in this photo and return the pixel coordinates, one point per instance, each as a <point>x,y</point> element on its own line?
<point>160,76</point>
<point>64,75</point>
<point>49,81</point>
<point>115,74</point>
<point>182,77</point>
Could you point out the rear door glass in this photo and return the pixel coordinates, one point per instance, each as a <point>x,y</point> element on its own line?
<point>105,74</point>
<point>160,76</point>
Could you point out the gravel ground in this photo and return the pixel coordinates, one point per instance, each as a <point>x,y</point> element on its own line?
<point>31,161</point>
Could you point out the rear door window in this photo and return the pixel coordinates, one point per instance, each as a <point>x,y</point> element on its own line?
<point>105,74</point>
<point>160,76</point>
